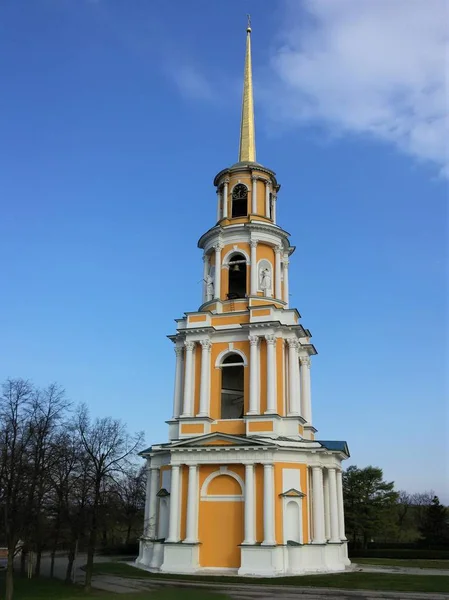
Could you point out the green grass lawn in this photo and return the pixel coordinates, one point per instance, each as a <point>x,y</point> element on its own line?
<point>51,589</point>
<point>415,563</point>
<point>354,580</point>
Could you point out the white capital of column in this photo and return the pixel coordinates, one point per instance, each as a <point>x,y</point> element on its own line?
<point>277,273</point>
<point>188,380</point>
<point>333,505</point>
<point>205,381</point>
<point>268,506</point>
<point>306,401</point>
<point>177,394</point>
<point>173,521</point>
<point>250,508</point>
<point>254,195</point>
<point>217,284</point>
<point>271,374</point>
<point>192,506</point>
<point>253,286</point>
<point>318,506</point>
<point>225,198</point>
<point>254,406</point>
<point>341,509</point>
<point>293,374</point>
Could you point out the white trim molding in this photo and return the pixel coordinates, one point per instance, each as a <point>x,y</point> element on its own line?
<point>222,497</point>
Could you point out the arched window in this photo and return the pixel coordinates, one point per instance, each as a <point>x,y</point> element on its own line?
<point>237,277</point>
<point>240,200</point>
<point>232,376</point>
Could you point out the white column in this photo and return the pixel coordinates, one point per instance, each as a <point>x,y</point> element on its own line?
<point>254,195</point>
<point>205,374</point>
<point>217,284</point>
<point>173,523</point>
<point>268,505</point>
<point>333,505</point>
<point>327,519</point>
<point>177,394</point>
<point>253,245</point>
<point>286,290</point>
<point>306,406</point>
<point>293,368</point>
<point>192,506</point>
<point>341,509</point>
<point>271,374</point>
<point>273,207</point>
<point>254,406</point>
<point>225,198</point>
<point>188,380</point>
<point>218,203</point>
<point>318,506</point>
<point>250,508</point>
<point>267,198</point>
<point>205,274</point>
<point>277,273</point>
<point>152,508</point>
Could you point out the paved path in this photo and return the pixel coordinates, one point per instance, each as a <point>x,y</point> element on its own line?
<point>122,585</point>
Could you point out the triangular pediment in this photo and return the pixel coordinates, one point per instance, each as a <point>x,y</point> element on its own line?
<point>220,439</point>
<point>293,493</point>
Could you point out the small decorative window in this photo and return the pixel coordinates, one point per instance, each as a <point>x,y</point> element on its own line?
<point>240,200</point>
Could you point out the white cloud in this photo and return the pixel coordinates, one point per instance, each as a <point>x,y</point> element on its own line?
<point>377,67</point>
<point>192,83</point>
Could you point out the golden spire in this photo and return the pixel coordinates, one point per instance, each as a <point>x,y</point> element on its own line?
<point>247,150</point>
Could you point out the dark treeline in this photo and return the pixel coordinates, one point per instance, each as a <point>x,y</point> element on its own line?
<point>67,482</point>
<point>377,515</point>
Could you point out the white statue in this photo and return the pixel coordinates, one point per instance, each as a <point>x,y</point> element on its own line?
<point>265,281</point>
<point>209,287</point>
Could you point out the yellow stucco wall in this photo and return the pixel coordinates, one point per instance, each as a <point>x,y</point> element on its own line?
<point>260,426</point>
<point>192,428</point>
<point>233,427</point>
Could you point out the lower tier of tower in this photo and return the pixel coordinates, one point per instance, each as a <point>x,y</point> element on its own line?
<point>253,510</point>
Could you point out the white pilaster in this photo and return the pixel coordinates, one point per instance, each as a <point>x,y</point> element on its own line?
<point>188,380</point>
<point>218,203</point>
<point>225,198</point>
<point>253,286</point>
<point>293,375</point>
<point>333,505</point>
<point>341,510</point>
<point>217,284</point>
<point>177,394</point>
<point>254,406</point>
<point>250,508</point>
<point>192,506</point>
<point>268,505</point>
<point>318,506</point>
<point>254,194</point>
<point>286,289</point>
<point>277,273</point>
<point>273,207</point>
<point>152,503</point>
<point>173,524</point>
<point>271,374</point>
<point>206,347</point>
<point>306,402</point>
<point>267,198</point>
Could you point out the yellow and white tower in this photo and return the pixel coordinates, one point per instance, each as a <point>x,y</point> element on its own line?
<point>242,485</point>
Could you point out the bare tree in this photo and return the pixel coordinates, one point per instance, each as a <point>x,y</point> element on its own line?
<point>110,451</point>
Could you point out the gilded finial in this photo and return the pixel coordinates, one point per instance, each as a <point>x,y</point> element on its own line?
<point>247,150</point>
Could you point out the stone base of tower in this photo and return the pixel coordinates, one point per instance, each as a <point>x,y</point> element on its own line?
<point>256,560</point>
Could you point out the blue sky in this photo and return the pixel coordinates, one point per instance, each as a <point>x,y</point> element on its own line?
<point>114,118</point>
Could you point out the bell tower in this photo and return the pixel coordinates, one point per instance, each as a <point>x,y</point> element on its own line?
<point>241,429</point>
